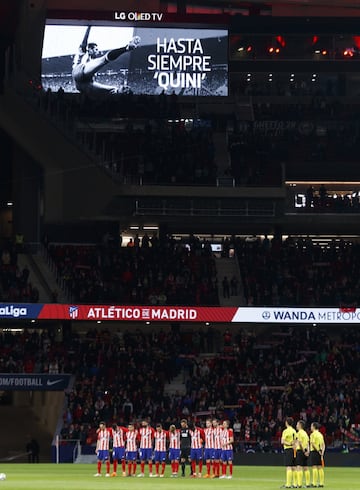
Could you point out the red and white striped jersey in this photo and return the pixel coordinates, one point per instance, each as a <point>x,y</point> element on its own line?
<point>103,439</point>
<point>227,436</point>
<point>160,440</point>
<point>131,440</point>
<point>119,437</point>
<point>217,437</point>
<point>174,438</point>
<point>209,437</point>
<point>197,436</point>
<point>146,437</point>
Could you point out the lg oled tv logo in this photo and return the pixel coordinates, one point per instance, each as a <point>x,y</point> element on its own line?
<point>139,16</point>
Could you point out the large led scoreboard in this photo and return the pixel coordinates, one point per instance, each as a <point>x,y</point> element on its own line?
<point>171,56</point>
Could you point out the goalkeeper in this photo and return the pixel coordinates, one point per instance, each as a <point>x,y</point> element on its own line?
<point>90,60</point>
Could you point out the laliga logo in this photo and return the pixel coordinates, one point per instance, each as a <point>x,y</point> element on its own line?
<point>13,311</point>
<point>142,16</point>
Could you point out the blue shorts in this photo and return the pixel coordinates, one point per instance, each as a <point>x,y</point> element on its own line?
<point>174,454</point>
<point>145,454</point>
<point>103,454</point>
<point>118,453</point>
<point>217,454</point>
<point>208,453</point>
<point>196,454</point>
<point>227,455</point>
<point>131,455</point>
<point>160,456</point>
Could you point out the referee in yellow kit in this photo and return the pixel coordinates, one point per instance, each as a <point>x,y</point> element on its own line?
<point>288,441</point>
<point>302,453</point>
<point>316,458</point>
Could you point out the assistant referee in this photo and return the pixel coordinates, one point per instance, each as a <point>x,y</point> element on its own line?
<point>288,438</point>
<point>302,453</point>
<point>316,458</point>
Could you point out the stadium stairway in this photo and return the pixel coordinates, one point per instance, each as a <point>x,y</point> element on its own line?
<point>221,152</point>
<point>229,267</point>
<point>177,385</point>
<point>38,282</point>
<point>42,268</point>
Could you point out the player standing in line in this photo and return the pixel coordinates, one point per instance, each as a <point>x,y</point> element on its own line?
<point>217,447</point>
<point>185,443</point>
<point>102,448</point>
<point>209,447</point>
<point>288,441</point>
<point>160,449</point>
<point>227,440</point>
<point>118,434</point>
<point>146,447</point>
<point>131,449</point>
<point>89,60</point>
<point>316,458</point>
<point>174,450</point>
<point>302,453</point>
<point>196,451</point>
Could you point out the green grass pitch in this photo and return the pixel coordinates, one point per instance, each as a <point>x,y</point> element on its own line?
<point>80,477</point>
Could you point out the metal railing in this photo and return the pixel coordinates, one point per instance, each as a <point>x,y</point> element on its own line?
<point>168,210</point>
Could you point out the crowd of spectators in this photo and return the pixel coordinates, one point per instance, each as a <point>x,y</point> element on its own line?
<point>294,137</point>
<point>320,128</point>
<point>281,271</point>
<point>79,106</point>
<point>309,373</point>
<point>164,150</point>
<point>148,270</point>
<point>320,200</point>
<point>253,378</point>
<point>122,377</point>
<point>299,271</point>
<point>159,153</point>
<point>32,351</point>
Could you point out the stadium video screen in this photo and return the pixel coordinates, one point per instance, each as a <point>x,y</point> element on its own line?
<point>103,60</point>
